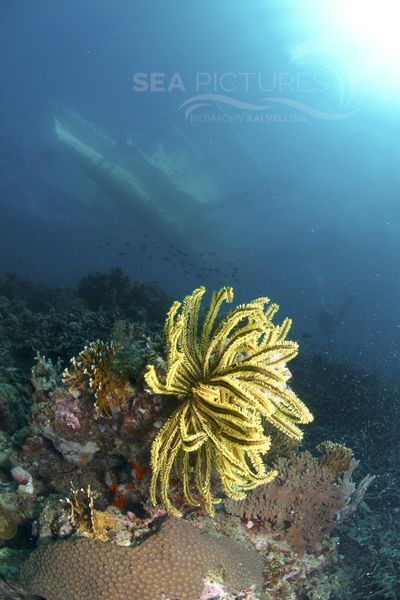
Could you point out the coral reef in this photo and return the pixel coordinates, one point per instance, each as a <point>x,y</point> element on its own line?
<point>94,369</point>
<point>227,377</point>
<point>67,473</point>
<point>174,562</point>
<point>71,422</point>
<point>13,407</point>
<point>88,521</point>
<point>302,504</point>
<point>57,322</point>
<point>115,292</point>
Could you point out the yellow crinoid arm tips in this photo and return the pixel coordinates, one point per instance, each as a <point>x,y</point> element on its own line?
<point>230,375</point>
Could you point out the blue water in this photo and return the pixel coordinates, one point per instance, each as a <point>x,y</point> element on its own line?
<point>290,155</point>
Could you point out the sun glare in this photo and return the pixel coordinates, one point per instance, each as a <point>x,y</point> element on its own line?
<point>373,25</point>
<point>361,37</point>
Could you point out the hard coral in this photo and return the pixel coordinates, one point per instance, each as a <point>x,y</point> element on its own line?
<point>227,376</point>
<point>174,562</point>
<point>94,369</point>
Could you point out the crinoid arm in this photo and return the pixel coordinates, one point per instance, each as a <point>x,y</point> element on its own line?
<point>230,376</point>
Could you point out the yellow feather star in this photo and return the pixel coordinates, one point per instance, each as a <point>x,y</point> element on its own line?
<point>228,376</point>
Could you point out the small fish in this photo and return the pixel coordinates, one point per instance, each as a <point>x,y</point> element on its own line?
<point>121,253</point>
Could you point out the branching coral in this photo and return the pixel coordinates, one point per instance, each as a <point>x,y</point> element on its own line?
<point>227,376</point>
<point>94,369</point>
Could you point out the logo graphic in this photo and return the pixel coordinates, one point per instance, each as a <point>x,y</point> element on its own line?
<point>273,102</point>
<point>311,91</point>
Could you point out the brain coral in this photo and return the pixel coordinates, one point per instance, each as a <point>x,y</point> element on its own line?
<point>173,562</point>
